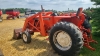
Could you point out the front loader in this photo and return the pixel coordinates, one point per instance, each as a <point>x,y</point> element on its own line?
<point>67,34</point>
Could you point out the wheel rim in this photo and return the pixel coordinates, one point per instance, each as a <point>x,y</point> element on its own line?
<point>62,40</point>
<point>24,37</point>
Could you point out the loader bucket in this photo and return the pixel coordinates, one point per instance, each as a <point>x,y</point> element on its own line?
<point>17,33</point>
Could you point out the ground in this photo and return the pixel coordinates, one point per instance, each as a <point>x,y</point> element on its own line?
<point>38,47</point>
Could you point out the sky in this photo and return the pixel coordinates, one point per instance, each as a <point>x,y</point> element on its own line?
<point>58,5</point>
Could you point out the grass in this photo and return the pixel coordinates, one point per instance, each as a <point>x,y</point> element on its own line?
<point>87,52</point>
<point>38,47</point>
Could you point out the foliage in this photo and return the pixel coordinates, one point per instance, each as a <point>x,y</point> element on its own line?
<point>97,2</point>
<point>96,18</point>
<point>88,12</point>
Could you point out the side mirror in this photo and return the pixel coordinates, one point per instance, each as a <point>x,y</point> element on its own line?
<point>54,14</point>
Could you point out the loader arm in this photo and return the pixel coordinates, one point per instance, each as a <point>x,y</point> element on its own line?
<point>38,15</point>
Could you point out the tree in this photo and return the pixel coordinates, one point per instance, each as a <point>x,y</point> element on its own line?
<point>96,17</point>
<point>97,2</point>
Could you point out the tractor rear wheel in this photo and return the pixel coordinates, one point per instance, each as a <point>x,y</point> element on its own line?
<point>26,36</point>
<point>66,39</point>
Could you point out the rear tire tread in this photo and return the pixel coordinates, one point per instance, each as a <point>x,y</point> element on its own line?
<point>77,38</point>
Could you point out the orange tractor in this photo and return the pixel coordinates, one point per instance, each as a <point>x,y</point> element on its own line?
<point>67,34</point>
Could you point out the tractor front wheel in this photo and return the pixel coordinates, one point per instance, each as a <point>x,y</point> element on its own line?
<point>26,36</point>
<point>13,17</point>
<point>18,17</point>
<point>66,39</point>
<point>7,17</point>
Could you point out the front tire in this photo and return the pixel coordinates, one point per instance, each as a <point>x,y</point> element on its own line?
<point>26,36</point>
<point>66,39</point>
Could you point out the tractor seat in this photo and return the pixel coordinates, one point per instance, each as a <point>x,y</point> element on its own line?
<point>54,14</point>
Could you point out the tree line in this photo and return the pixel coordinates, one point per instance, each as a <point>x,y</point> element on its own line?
<point>22,10</point>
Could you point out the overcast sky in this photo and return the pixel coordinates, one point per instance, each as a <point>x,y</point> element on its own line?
<point>47,4</point>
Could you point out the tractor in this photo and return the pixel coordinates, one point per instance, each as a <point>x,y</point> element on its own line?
<point>12,13</point>
<point>0,16</point>
<point>67,34</point>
